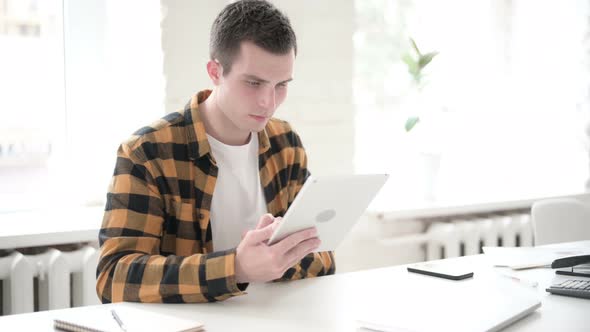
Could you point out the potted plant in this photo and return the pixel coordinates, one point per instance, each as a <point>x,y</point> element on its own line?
<point>428,157</point>
<point>416,62</point>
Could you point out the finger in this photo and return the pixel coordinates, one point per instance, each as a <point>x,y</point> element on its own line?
<point>265,220</point>
<point>294,239</point>
<point>275,224</point>
<point>300,251</point>
<point>258,235</point>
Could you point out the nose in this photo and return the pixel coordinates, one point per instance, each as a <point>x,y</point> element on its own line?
<point>268,99</point>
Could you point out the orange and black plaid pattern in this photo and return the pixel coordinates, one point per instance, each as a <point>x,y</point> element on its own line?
<point>156,241</point>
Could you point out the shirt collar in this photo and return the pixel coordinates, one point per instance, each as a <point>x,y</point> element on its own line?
<point>198,144</point>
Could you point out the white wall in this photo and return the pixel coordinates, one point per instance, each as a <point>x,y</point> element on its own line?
<point>185,43</point>
<point>320,105</point>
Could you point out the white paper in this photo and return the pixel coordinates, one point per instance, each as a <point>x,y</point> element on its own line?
<point>518,258</point>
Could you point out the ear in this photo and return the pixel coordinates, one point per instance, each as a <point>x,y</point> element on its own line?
<point>215,71</point>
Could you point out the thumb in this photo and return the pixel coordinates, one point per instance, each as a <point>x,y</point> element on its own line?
<point>265,220</point>
<point>259,235</point>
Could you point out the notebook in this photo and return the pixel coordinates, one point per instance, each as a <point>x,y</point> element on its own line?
<point>101,319</point>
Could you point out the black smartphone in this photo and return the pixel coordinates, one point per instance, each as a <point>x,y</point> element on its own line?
<point>447,271</point>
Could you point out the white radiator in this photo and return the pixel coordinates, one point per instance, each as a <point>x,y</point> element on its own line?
<point>454,232</point>
<point>64,279</point>
<point>465,235</point>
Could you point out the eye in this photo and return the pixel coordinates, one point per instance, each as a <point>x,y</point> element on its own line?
<point>282,85</point>
<point>253,83</point>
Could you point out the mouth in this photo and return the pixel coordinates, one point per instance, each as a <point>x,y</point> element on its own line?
<point>259,118</point>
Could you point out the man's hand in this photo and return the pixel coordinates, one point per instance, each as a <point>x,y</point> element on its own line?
<point>257,261</point>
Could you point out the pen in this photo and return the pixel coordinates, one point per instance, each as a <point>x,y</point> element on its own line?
<point>119,321</point>
<point>522,281</point>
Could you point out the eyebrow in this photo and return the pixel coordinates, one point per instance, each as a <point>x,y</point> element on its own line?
<point>256,78</point>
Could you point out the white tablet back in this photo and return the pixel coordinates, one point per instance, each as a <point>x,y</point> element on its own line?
<point>332,204</point>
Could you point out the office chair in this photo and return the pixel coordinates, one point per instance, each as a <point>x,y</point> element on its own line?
<point>560,220</point>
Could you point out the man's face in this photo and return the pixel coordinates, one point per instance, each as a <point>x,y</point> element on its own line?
<point>255,87</point>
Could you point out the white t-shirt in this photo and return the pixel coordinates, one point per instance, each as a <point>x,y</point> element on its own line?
<point>238,201</point>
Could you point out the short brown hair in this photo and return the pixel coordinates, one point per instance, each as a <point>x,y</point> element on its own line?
<point>257,21</point>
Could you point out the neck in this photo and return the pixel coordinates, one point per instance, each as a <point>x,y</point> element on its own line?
<point>218,125</point>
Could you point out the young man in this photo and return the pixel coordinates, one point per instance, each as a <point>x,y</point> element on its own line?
<point>196,195</point>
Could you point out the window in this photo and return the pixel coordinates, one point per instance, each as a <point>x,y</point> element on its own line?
<point>77,79</point>
<point>503,115</point>
<point>31,107</point>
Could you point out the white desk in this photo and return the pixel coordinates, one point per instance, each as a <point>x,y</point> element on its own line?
<point>330,303</point>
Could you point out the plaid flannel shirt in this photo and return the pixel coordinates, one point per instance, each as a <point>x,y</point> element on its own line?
<point>156,241</point>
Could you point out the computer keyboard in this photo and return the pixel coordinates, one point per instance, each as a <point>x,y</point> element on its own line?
<point>572,287</point>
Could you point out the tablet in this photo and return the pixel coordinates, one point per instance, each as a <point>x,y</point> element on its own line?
<point>333,204</point>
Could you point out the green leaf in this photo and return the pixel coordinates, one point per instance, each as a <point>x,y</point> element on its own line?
<point>411,122</point>
<point>426,58</point>
<point>413,67</point>
<point>409,60</point>
<point>415,46</point>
